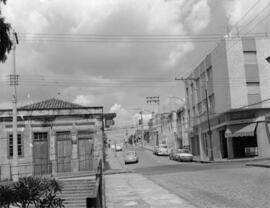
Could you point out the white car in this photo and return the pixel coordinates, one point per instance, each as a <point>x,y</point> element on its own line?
<point>184,155</point>
<point>162,150</point>
<point>118,147</point>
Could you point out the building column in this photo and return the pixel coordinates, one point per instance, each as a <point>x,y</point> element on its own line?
<point>230,148</point>
<point>74,157</point>
<point>52,152</point>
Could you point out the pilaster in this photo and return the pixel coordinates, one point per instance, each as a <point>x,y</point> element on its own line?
<point>230,147</point>
<point>52,151</point>
<point>74,157</point>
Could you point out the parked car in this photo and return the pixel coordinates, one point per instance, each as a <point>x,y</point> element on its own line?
<point>131,157</point>
<point>162,150</point>
<point>173,153</point>
<point>182,155</point>
<point>118,147</point>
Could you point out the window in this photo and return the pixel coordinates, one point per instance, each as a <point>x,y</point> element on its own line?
<point>40,136</point>
<point>198,88</point>
<point>250,57</point>
<point>253,87</point>
<point>212,103</point>
<point>200,108</point>
<point>254,95</point>
<point>209,74</point>
<point>19,145</point>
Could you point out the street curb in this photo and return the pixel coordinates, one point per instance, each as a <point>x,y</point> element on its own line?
<point>233,160</point>
<point>148,148</point>
<point>117,171</point>
<point>258,165</point>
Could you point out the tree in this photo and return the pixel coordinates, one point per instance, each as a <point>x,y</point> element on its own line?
<point>5,41</point>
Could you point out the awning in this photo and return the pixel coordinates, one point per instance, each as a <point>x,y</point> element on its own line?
<point>240,130</point>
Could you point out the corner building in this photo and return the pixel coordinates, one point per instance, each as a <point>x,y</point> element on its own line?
<point>234,81</point>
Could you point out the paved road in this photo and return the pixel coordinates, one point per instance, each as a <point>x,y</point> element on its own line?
<point>219,185</point>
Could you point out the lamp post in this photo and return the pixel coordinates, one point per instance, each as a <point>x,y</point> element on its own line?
<point>268,59</point>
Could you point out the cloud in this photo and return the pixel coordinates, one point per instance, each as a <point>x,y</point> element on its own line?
<point>82,100</point>
<point>107,68</point>
<point>199,16</point>
<point>123,117</point>
<point>246,14</point>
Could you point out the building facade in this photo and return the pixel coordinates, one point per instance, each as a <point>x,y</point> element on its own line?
<point>169,128</point>
<point>231,86</point>
<point>54,137</point>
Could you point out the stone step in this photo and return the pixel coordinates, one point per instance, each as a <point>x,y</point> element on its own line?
<point>74,191</point>
<point>75,205</point>
<point>78,186</point>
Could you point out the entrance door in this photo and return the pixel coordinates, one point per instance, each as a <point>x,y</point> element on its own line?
<point>41,153</point>
<point>85,154</point>
<point>64,151</point>
<point>223,144</point>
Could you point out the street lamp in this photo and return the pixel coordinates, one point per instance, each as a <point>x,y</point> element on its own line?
<point>268,59</point>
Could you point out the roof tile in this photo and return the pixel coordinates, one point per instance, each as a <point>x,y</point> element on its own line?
<point>51,104</point>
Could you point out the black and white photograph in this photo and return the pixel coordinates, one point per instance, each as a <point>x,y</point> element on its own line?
<point>134,103</point>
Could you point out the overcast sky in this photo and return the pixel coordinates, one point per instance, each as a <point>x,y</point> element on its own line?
<point>88,52</point>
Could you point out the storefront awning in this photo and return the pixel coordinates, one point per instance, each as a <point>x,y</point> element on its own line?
<point>240,130</point>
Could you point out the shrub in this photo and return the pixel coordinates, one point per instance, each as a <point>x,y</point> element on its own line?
<point>27,190</point>
<point>40,192</point>
<point>7,196</point>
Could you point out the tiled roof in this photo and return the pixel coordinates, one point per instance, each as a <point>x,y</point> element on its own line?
<point>51,104</point>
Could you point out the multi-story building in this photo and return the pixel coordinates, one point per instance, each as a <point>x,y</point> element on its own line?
<point>182,140</point>
<point>169,128</point>
<point>233,82</point>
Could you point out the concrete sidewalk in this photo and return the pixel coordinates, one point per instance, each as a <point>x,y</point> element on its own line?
<point>262,164</point>
<point>116,164</point>
<point>136,191</point>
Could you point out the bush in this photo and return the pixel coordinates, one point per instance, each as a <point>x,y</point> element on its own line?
<point>40,192</point>
<point>7,196</point>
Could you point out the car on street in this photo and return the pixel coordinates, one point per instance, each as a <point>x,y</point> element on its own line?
<point>182,155</point>
<point>118,147</point>
<point>131,157</point>
<point>161,150</point>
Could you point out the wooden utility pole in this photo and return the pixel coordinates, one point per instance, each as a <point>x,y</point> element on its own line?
<point>14,82</point>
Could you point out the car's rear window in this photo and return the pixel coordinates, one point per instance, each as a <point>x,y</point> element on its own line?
<point>164,146</point>
<point>183,151</point>
<point>131,153</point>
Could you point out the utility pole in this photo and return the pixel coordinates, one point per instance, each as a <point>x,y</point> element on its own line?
<point>209,128</point>
<point>14,82</point>
<point>103,201</point>
<point>142,133</point>
<point>211,158</point>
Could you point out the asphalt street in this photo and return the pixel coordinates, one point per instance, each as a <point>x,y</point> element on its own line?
<point>230,184</point>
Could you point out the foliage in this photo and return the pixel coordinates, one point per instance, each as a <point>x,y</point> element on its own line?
<point>50,189</point>
<point>40,192</point>
<point>6,196</point>
<point>5,42</point>
<point>28,190</point>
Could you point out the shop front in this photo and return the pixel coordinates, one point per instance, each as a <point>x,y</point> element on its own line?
<point>242,140</point>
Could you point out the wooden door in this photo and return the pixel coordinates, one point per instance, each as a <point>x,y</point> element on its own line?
<point>41,154</point>
<point>64,151</point>
<point>85,154</point>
